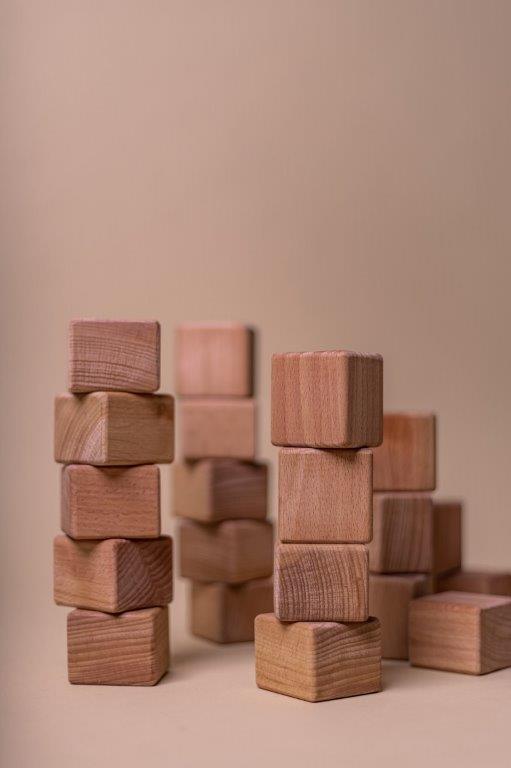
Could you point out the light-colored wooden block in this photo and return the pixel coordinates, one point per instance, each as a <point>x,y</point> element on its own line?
<point>128,649</point>
<point>113,502</point>
<point>321,582</point>
<point>112,575</point>
<point>402,533</point>
<point>214,359</point>
<point>220,489</point>
<point>325,496</point>
<point>225,613</point>
<point>232,551</point>
<point>217,428</point>
<point>389,601</point>
<point>326,399</point>
<point>482,582</point>
<point>447,521</point>
<point>461,632</point>
<point>114,428</point>
<point>117,355</point>
<point>317,661</point>
<point>406,460</point>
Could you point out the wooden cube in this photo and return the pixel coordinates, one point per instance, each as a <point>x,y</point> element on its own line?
<point>406,460</point>
<point>113,502</point>
<point>220,489</point>
<point>389,601</point>
<point>128,649</point>
<point>321,582</point>
<point>114,428</point>
<point>231,551</point>
<point>326,399</point>
<point>114,355</point>
<point>461,632</point>
<point>225,613</point>
<point>112,575</point>
<point>482,582</point>
<point>447,536</point>
<point>214,359</point>
<point>402,533</point>
<point>317,661</point>
<point>218,428</point>
<point>325,496</point>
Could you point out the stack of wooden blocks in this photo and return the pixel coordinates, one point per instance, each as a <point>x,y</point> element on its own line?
<point>112,564</point>
<point>226,542</point>
<point>321,643</point>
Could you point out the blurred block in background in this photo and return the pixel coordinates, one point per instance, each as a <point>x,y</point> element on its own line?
<point>225,613</point>
<point>406,460</point>
<point>485,582</point>
<point>217,428</point>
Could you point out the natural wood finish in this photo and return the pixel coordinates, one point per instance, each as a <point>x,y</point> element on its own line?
<point>461,632</point>
<point>325,496</point>
<point>217,428</point>
<point>402,533</point>
<point>225,613</point>
<point>318,661</point>
<point>321,582</point>
<point>326,399</point>
<point>406,460</point>
<point>447,522</point>
<point>128,649</point>
<point>482,582</point>
<point>112,575</point>
<point>114,428</point>
<point>103,503</point>
<point>117,355</point>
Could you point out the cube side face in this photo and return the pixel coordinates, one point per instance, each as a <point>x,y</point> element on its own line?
<point>406,460</point>
<point>140,429</point>
<point>365,400</point>
<point>192,491</point>
<point>447,531</point>
<point>208,611</point>
<point>225,613</point>
<point>239,489</point>
<point>389,600</point>
<point>402,534</point>
<point>218,429</point>
<point>85,574</point>
<point>496,637</point>
<point>144,573</point>
<point>80,429</point>
<point>483,582</point>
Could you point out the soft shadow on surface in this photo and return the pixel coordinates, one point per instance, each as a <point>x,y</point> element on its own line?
<point>191,657</point>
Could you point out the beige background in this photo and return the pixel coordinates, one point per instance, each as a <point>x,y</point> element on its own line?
<point>338,174</point>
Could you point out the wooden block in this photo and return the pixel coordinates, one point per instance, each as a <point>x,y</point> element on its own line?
<point>389,601</point>
<point>220,489</point>
<point>103,503</point>
<point>214,359</point>
<point>225,613</point>
<point>402,533</point>
<point>461,632</point>
<point>114,428</point>
<point>447,537</point>
<point>406,460</point>
<point>114,355</point>
<point>321,582</point>
<point>326,399</point>
<point>128,649</point>
<point>317,661</point>
<point>325,496</point>
<point>482,582</point>
<point>232,551</point>
<point>218,428</point>
<point>112,575</point>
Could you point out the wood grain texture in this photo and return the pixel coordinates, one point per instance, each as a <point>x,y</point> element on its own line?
<point>461,632</point>
<point>317,661</point>
<point>389,601</point>
<point>406,460</point>
<point>225,613</point>
<point>232,551</point>
<point>321,582</point>
<point>112,575</point>
<point>447,539</point>
<point>482,582</point>
<point>212,490</point>
<point>128,649</point>
<point>217,428</point>
<point>402,533</point>
<point>117,355</point>
<point>103,503</point>
<point>214,359</point>
<point>114,428</point>
<point>325,496</point>
<point>326,399</point>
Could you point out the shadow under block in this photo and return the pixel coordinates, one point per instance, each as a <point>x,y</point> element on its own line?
<point>217,428</point>
<point>231,551</point>
<point>113,502</point>
<point>317,661</point>
<point>114,428</point>
<point>220,489</point>
<point>326,399</point>
<point>128,649</point>
<point>402,533</point>
<point>321,582</point>
<point>214,360</point>
<point>461,632</point>
<point>447,527</point>
<point>481,582</point>
<point>325,496</point>
<point>114,355</point>
<point>406,460</point>
<point>225,613</point>
<point>112,575</point>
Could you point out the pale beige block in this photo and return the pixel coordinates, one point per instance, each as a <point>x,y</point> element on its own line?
<point>217,428</point>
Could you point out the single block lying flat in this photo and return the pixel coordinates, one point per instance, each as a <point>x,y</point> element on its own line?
<point>447,519</point>
<point>482,582</point>
<point>217,428</point>
<point>225,613</point>
<point>406,460</point>
<point>402,533</point>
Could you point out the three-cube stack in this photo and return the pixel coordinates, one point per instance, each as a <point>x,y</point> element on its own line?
<point>112,564</point>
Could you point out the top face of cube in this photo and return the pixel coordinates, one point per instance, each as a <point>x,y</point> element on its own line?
<point>114,355</point>
<point>327,399</point>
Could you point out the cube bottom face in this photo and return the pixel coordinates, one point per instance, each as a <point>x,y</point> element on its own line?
<point>225,613</point>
